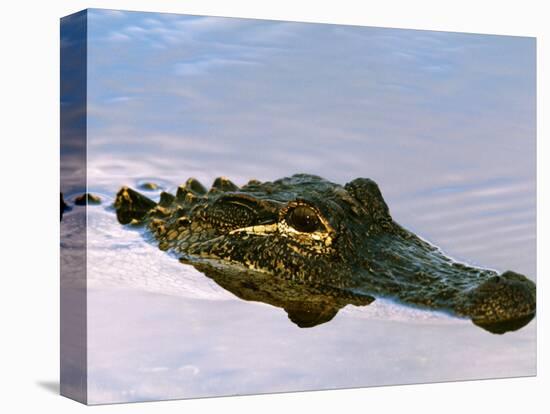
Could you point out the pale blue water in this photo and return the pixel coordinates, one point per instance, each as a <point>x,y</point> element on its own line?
<point>444,122</point>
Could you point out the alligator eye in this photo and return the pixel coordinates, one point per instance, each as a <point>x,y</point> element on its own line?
<point>303,219</point>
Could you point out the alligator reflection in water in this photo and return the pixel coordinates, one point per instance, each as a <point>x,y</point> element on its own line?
<point>306,305</point>
<point>311,247</point>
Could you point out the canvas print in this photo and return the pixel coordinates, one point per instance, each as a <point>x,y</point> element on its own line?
<point>253,206</point>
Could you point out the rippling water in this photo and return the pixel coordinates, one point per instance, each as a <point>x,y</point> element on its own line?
<point>443,122</point>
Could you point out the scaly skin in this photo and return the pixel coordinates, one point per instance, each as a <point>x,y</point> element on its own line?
<point>303,239</point>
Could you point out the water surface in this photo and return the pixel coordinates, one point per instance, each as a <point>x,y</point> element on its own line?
<point>443,122</point>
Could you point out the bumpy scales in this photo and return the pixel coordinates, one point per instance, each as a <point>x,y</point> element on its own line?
<point>311,247</point>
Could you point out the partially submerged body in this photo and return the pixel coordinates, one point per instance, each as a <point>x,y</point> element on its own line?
<point>311,247</point>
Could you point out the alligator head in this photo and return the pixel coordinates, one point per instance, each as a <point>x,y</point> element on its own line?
<point>312,246</point>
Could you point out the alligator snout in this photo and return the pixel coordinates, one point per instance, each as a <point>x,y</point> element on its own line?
<point>501,303</point>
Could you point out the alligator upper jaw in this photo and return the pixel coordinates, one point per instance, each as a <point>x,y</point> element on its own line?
<point>498,303</point>
<point>407,268</point>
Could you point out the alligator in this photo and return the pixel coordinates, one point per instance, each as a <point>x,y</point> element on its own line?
<point>311,246</point>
